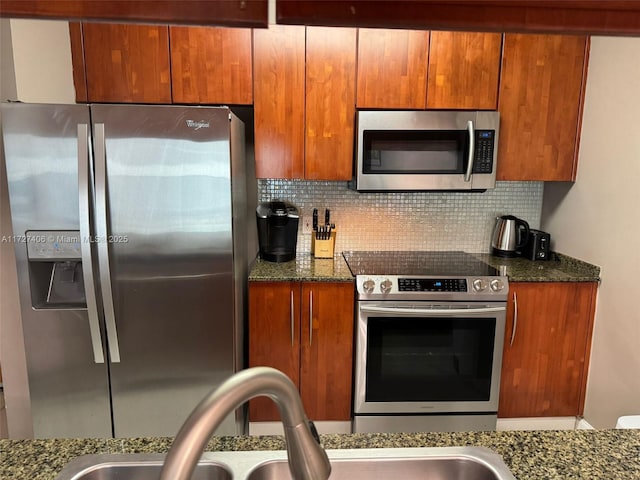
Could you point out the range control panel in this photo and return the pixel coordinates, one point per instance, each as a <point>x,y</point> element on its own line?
<point>393,286</point>
<point>432,285</point>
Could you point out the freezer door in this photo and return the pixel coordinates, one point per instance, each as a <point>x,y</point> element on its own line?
<point>170,259</point>
<point>68,388</point>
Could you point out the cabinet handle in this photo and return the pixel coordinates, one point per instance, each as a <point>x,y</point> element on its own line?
<point>292,320</point>
<point>515,318</point>
<point>310,317</point>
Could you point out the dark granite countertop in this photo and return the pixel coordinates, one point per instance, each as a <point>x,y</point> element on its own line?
<point>303,268</point>
<point>561,268</point>
<point>549,455</point>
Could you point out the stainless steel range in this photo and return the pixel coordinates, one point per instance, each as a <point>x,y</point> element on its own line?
<point>430,332</point>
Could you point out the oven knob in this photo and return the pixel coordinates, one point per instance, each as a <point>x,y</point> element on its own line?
<point>368,285</point>
<point>385,286</point>
<point>479,284</point>
<point>497,285</point>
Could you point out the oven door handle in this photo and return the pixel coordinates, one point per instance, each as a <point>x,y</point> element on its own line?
<point>430,311</point>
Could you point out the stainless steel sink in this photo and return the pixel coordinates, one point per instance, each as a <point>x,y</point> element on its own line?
<point>458,467</point>
<point>134,467</point>
<point>456,463</point>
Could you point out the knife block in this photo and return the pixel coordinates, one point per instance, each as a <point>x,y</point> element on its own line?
<point>323,248</point>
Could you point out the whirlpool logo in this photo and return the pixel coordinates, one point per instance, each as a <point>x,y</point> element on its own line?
<point>197,124</point>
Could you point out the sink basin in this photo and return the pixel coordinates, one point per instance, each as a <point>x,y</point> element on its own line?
<point>443,463</point>
<point>406,463</point>
<point>134,467</point>
<point>416,468</point>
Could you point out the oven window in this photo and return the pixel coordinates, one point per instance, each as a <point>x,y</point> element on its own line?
<point>415,152</point>
<point>429,359</point>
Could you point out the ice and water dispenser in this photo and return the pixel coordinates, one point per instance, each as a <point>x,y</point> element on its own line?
<point>55,269</point>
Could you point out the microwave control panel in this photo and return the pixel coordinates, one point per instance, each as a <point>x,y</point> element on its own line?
<point>484,146</point>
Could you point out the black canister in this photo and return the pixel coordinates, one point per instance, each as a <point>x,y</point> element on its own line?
<point>277,230</point>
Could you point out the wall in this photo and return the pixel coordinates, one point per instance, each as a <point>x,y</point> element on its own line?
<point>597,220</point>
<point>407,221</point>
<point>30,73</point>
<point>42,61</point>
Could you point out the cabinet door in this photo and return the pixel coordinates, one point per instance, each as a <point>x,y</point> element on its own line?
<point>211,65</point>
<point>127,63</point>
<point>463,70</point>
<point>392,68</point>
<point>327,350</point>
<point>540,103</point>
<point>544,369</point>
<point>278,97</point>
<point>77,61</point>
<point>274,336</point>
<point>330,103</point>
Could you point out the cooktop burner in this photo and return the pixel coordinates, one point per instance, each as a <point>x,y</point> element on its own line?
<point>444,263</point>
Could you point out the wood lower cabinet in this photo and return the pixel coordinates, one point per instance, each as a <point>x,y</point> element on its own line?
<point>540,103</point>
<point>305,330</point>
<point>211,65</point>
<point>127,63</point>
<point>545,362</point>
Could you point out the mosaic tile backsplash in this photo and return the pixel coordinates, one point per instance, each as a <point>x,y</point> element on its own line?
<point>406,221</point>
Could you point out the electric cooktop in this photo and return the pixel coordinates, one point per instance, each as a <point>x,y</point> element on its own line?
<point>433,263</point>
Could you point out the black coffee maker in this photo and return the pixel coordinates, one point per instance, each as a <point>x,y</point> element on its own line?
<point>277,230</point>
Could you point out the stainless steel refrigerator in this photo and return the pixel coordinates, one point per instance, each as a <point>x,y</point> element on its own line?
<point>129,224</point>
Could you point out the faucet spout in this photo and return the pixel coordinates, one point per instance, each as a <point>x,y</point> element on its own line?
<point>307,458</point>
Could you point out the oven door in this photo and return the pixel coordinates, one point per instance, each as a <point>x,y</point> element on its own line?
<point>428,357</point>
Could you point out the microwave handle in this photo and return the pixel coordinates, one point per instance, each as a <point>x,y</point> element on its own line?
<point>472,147</point>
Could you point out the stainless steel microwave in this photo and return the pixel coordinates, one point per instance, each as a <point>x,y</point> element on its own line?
<point>425,150</point>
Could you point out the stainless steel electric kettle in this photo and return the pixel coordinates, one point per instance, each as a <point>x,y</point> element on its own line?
<point>510,235</point>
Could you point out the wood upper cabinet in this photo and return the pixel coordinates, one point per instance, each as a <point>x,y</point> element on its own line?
<point>278,96</point>
<point>464,68</point>
<point>540,103</point>
<point>306,331</point>
<point>611,17</point>
<point>412,69</point>
<point>392,68</point>
<point>127,63</point>
<point>544,370</point>
<point>304,102</point>
<point>211,65</point>
<point>330,103</point>
<point>229,13</point>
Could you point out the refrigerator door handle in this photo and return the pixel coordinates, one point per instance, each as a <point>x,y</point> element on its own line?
<point>84,197</point>
<point>103,243</point>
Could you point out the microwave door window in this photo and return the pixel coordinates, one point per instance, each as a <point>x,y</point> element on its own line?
<point>415,152</point>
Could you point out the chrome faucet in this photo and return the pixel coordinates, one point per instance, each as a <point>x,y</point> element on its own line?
<point>307,458</point>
